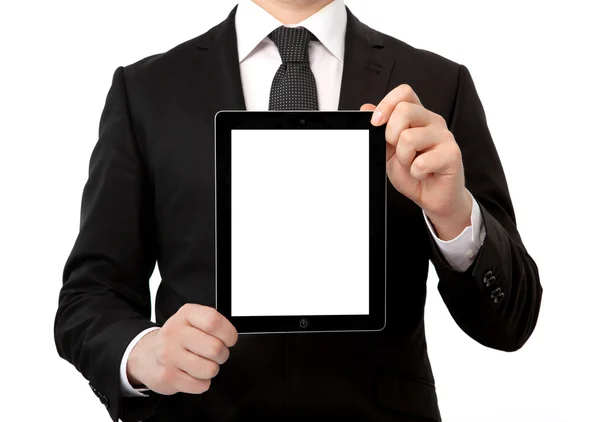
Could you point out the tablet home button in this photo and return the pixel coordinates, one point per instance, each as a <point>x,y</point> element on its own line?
<point>303,323</point>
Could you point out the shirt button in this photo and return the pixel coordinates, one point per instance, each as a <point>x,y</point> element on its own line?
<point>470,253</point>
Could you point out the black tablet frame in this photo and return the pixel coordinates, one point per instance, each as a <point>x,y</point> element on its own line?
<point>225,122</point>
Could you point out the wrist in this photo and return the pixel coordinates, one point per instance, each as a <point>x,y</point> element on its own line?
<point>451,225</point>
<point>134,362</point>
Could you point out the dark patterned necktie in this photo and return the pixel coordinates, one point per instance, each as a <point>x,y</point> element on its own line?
<point>294,86</point>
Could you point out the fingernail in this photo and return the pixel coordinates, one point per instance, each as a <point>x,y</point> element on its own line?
<point>376,118</point>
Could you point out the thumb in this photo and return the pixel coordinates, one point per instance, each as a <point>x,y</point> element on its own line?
<point>367,107</point>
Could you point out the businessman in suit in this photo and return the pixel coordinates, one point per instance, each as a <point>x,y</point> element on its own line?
<point>150,198</point>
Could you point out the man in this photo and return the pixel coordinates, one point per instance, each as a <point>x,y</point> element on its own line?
<point>150,197</point>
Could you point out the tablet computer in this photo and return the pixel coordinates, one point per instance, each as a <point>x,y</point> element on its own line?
<point>300,221</point>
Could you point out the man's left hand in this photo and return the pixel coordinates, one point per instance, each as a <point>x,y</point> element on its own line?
<point>424,162</point>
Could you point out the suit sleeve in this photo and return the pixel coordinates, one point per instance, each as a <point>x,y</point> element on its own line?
<point>496,301</point>
<point>105,298</point>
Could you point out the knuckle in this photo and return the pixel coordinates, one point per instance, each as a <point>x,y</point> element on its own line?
<point>215,348</point>
<point>204,386</point>
<point>226,354</point>
<point>188,308</point>
<point>389,133</point>
<point>235,337</point>
<point>449,137</point>
<point>402,156</point>
<point>439,119</point>
<point>211,319</point>
<point>406,88</point>
<point>452,150</point>
<point>212,369</point>
<point>407,137</point>
<point>403,107</point>
<point>455,154</point>
<point>196,386</point>
<point>419,165</point>
<point>385,105</point>
<point>193,385</point>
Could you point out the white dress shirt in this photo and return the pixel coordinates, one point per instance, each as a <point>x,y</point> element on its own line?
<point>259,61</point>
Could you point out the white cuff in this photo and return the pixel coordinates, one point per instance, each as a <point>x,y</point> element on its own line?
<point>461,251</point>
<point>126,389</point>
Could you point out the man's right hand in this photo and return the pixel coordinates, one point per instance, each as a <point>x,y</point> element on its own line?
<point>184,354</point>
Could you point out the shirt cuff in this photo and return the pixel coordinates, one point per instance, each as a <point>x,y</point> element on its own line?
<point>126,389</point>
<point>461,251</point>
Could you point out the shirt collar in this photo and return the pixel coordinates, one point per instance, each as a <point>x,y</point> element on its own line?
<point>253,24</point>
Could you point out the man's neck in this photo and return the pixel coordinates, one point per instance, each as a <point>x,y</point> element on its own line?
<point>292,11</point>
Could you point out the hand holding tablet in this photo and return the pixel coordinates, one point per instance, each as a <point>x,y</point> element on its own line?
<point>300,214</point>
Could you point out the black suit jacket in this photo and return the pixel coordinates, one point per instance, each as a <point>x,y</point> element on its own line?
<point>150,197</point>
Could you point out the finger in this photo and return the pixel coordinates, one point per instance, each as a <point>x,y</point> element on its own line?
<point>406,115</point>
<point>436,161</point>
<point>368,107</point>
<point>196,366</point>
<point>413,141</point>
<point>210,321</point>
<point>205,345</point>
<point>186,383</point>
<point>389,149</point>
<point>402,93</point>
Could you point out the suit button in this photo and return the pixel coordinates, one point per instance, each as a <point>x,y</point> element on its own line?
<point>497,295</point>
<point>488,279</point>
<point>102,397</point>
<point>93,389</point>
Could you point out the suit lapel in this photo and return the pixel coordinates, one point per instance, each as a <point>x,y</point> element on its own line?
<point>366,68</point>
<point>365,76</point>
<point>220,67</point>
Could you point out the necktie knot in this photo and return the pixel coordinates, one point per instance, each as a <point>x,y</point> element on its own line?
<point>292,43</point>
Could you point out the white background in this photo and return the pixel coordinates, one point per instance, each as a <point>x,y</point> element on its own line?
<point>535,64</point>
<point>312,225</point>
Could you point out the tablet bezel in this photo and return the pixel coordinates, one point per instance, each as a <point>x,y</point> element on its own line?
<point>225,122</point>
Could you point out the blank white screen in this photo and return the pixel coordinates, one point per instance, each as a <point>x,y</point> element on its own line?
<point>299,222</point>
